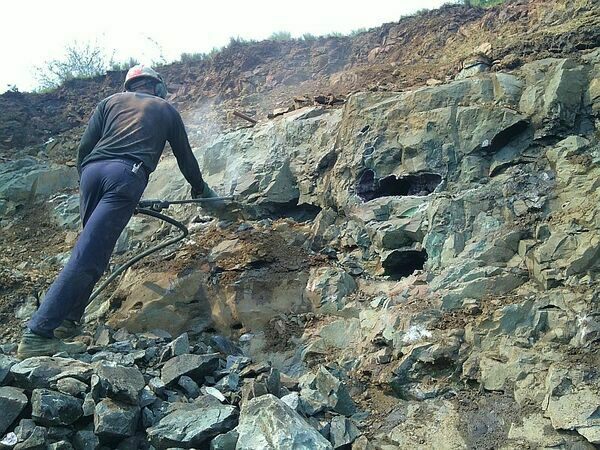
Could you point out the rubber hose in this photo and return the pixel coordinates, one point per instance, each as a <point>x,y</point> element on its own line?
<point>136,258</point>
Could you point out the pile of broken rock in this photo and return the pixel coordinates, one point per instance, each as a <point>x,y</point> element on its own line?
<point>149,391</point>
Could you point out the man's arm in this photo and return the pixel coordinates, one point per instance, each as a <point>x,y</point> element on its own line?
<point>90,137</point>
<point>185,158</point>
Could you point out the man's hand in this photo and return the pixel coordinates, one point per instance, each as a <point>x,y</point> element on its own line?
<point>215,207</point>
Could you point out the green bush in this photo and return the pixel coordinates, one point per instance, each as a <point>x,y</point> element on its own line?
<point>281,36</point>
<point>80,60</point>
<point>124,65</point>
<point>357,31</point>
<point>309,37</point>
<point>192,57</point>
<point>484,3</point>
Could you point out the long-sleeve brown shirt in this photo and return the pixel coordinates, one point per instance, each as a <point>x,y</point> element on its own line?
<point>136,126</point>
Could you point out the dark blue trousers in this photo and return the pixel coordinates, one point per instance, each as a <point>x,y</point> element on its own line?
<point>109,193</point>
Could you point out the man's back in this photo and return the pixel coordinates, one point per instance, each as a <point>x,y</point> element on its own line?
<point>130,125</point>
<point>135,126</point>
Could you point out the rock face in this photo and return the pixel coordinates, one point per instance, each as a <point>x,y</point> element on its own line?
<point>268,423</point>
<point>26,180</point>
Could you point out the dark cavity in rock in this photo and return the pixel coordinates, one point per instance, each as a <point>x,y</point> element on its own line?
<point>288,210</point>
<point>369,187</point>
<point>402,263</point>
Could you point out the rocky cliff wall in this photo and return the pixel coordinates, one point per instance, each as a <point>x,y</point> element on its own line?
<point>454,237</point>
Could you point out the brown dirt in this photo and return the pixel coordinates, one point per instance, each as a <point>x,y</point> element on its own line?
<point>486,417</point>
<point>281,331</point>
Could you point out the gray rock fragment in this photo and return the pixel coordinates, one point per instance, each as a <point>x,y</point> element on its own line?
<point>115,420</point>
<point>6,362</point>
<point>292,400</point>
<point>60,445</point>
<point>189,386</point>
<point>36,440</point>
<point>72,386</point>
<point>190,425</point>
<point>119,383</point>
<point>53,408</point>
<point>194,366</point>
<point>342,432</point>
<point>12,402</point>
<point>267,423</point>
<point>89,405</point>
<point>39,372</point>
<point>180,346</point>
<point>325,392</point>
<point>147,397</point>
<point>86,440</point>
<point>229,383</point>
<point>226,441</point>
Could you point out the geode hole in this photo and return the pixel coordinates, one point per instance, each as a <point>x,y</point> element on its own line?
<point>419,184</point>
<point>402,263</point>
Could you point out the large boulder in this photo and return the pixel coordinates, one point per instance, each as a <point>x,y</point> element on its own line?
<point>26,180</point>
<point>267,423</point>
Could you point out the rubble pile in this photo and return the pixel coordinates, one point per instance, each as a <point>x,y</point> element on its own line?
<point>149,391</point>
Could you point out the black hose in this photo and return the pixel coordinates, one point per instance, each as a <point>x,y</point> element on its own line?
<point>136,258</point>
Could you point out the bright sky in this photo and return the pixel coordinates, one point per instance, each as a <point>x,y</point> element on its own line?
<point>33,32</point>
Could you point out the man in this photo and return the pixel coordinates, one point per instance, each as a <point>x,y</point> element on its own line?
<point>119,149</point>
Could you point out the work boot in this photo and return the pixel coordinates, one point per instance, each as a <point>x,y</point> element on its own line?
<point>35,345</point>
<point>68,329</point>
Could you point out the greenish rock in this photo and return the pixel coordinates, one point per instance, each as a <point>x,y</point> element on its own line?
<point>195,366</point>
<point>325,392</point>
<point>553,92</point>
<point>12,402</point>
<point>54,408</point>
<point>537,430</point>
<point>267,423</point>
<point>342,432</point>
<point>60,445</point>
<point>114,420</point>
<point>41,371</point>
<point>327,287</point>
<point>191,425</point>
<point>441,430</point>
<point>226,441</point>
<point>6,362</point>
<point>72,386</point>
<point>26,180</point>
<point>86,440</point>
<point>119,383</point>
<point>36,440</point>
<point>576,411</point>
